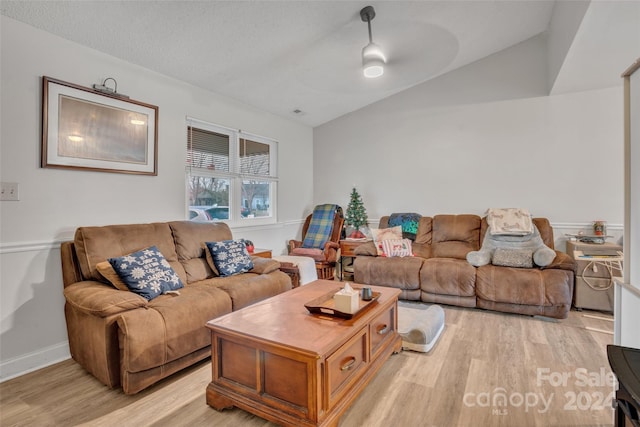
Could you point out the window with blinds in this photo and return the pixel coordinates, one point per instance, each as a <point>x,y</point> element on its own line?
<point>207,150</point>
<point>230,175</point>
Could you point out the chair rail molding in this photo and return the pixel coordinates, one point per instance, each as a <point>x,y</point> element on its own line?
<point>16,247</point>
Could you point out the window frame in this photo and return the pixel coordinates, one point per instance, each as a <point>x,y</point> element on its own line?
<point>234,174</point>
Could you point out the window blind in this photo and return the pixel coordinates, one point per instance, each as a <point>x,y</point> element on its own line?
<point>207,149</point>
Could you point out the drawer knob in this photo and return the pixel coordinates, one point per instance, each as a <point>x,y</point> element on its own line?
<point>348,365</point>
<point>383,329</point>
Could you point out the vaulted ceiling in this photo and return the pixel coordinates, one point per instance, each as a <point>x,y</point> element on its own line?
<point>282,56</point>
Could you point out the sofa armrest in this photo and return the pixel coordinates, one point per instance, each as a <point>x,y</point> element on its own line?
<point>331,251</point>
<point>562,261</point>
<point>264,265</point>
<point>101,300</point>
<point>366,249</point>
<point>294,244</point>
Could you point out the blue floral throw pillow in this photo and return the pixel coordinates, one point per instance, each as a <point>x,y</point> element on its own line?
<point>230,257</point>
<point>147,273</point>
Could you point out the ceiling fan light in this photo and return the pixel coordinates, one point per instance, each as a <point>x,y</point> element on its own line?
<point>373,61</point>
<point>373,50</point>
<point>373,69</point>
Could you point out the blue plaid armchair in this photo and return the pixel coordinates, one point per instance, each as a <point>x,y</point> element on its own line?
<point>321,233</point>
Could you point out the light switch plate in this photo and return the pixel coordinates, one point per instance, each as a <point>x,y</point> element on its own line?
<point>9,191</point>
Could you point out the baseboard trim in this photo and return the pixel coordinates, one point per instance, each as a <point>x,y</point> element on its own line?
<point>33,361</point>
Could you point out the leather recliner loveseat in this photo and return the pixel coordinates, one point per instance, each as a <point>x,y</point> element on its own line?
<point>123,339</point>
<point>440,273</point>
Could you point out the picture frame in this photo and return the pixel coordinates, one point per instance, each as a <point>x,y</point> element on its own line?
<point>89,130</point>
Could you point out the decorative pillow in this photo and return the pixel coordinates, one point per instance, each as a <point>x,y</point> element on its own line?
<point>512,258</point>
<point>397,247</point>
<point>230,257</point>
<point>147,273</point>
<point>110,274</point>
<point>509,221</point>
<point>380,234</point>
<point>260,265</point>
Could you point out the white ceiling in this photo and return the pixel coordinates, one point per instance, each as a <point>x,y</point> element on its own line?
<point>605,45</point>
<point>285,55</point>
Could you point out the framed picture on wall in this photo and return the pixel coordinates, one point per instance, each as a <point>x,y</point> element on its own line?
<point>89,130</point>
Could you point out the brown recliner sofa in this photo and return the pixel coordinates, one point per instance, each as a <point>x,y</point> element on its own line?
<point>440,273</point>
<point>123,339</point>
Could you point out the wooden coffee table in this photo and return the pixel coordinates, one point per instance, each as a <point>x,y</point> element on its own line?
<point>282,363</point>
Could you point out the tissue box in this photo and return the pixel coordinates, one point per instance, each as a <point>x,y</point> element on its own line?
<point>347,303</point>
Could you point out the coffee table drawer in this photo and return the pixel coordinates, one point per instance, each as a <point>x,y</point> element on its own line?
<point>382,328</point>
<point>345,365</point>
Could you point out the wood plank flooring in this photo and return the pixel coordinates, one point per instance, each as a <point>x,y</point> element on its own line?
<point>488,369</point>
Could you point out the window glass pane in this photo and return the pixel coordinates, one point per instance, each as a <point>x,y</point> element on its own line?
<point>218,213</point>
<point>208,198</point>
<point>256,199</point>
<point>254,158</point>
<point>207,150</point>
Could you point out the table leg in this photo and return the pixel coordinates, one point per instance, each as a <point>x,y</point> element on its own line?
<point>217,401</point>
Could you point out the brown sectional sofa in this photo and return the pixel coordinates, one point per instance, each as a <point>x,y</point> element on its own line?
<point>123,339</point>
<point>440,273</point>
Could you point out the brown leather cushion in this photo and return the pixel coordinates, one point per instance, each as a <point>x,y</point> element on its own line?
<point>447,276</point>
<point>171,326</point>
<point>189,237</point>
<point>524,286</point>
<point>455,235</point>
<point>246,289</point>
<point>97,244</point>
<point>401,273</point>
<point>260,265</point>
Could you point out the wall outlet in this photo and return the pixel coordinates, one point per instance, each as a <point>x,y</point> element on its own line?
<point>9,191</point>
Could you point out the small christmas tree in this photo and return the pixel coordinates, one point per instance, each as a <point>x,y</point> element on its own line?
<point>356,215</point>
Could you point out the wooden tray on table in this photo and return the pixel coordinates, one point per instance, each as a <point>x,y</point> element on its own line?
<point>327,305</point>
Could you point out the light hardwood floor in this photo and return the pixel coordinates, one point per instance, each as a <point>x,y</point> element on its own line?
<point>551,373</point>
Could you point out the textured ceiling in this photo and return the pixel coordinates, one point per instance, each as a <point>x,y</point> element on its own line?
<point>285,55</point>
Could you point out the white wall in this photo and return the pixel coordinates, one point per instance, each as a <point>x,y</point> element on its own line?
<point>54,202</point>
<point>486,135</point>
